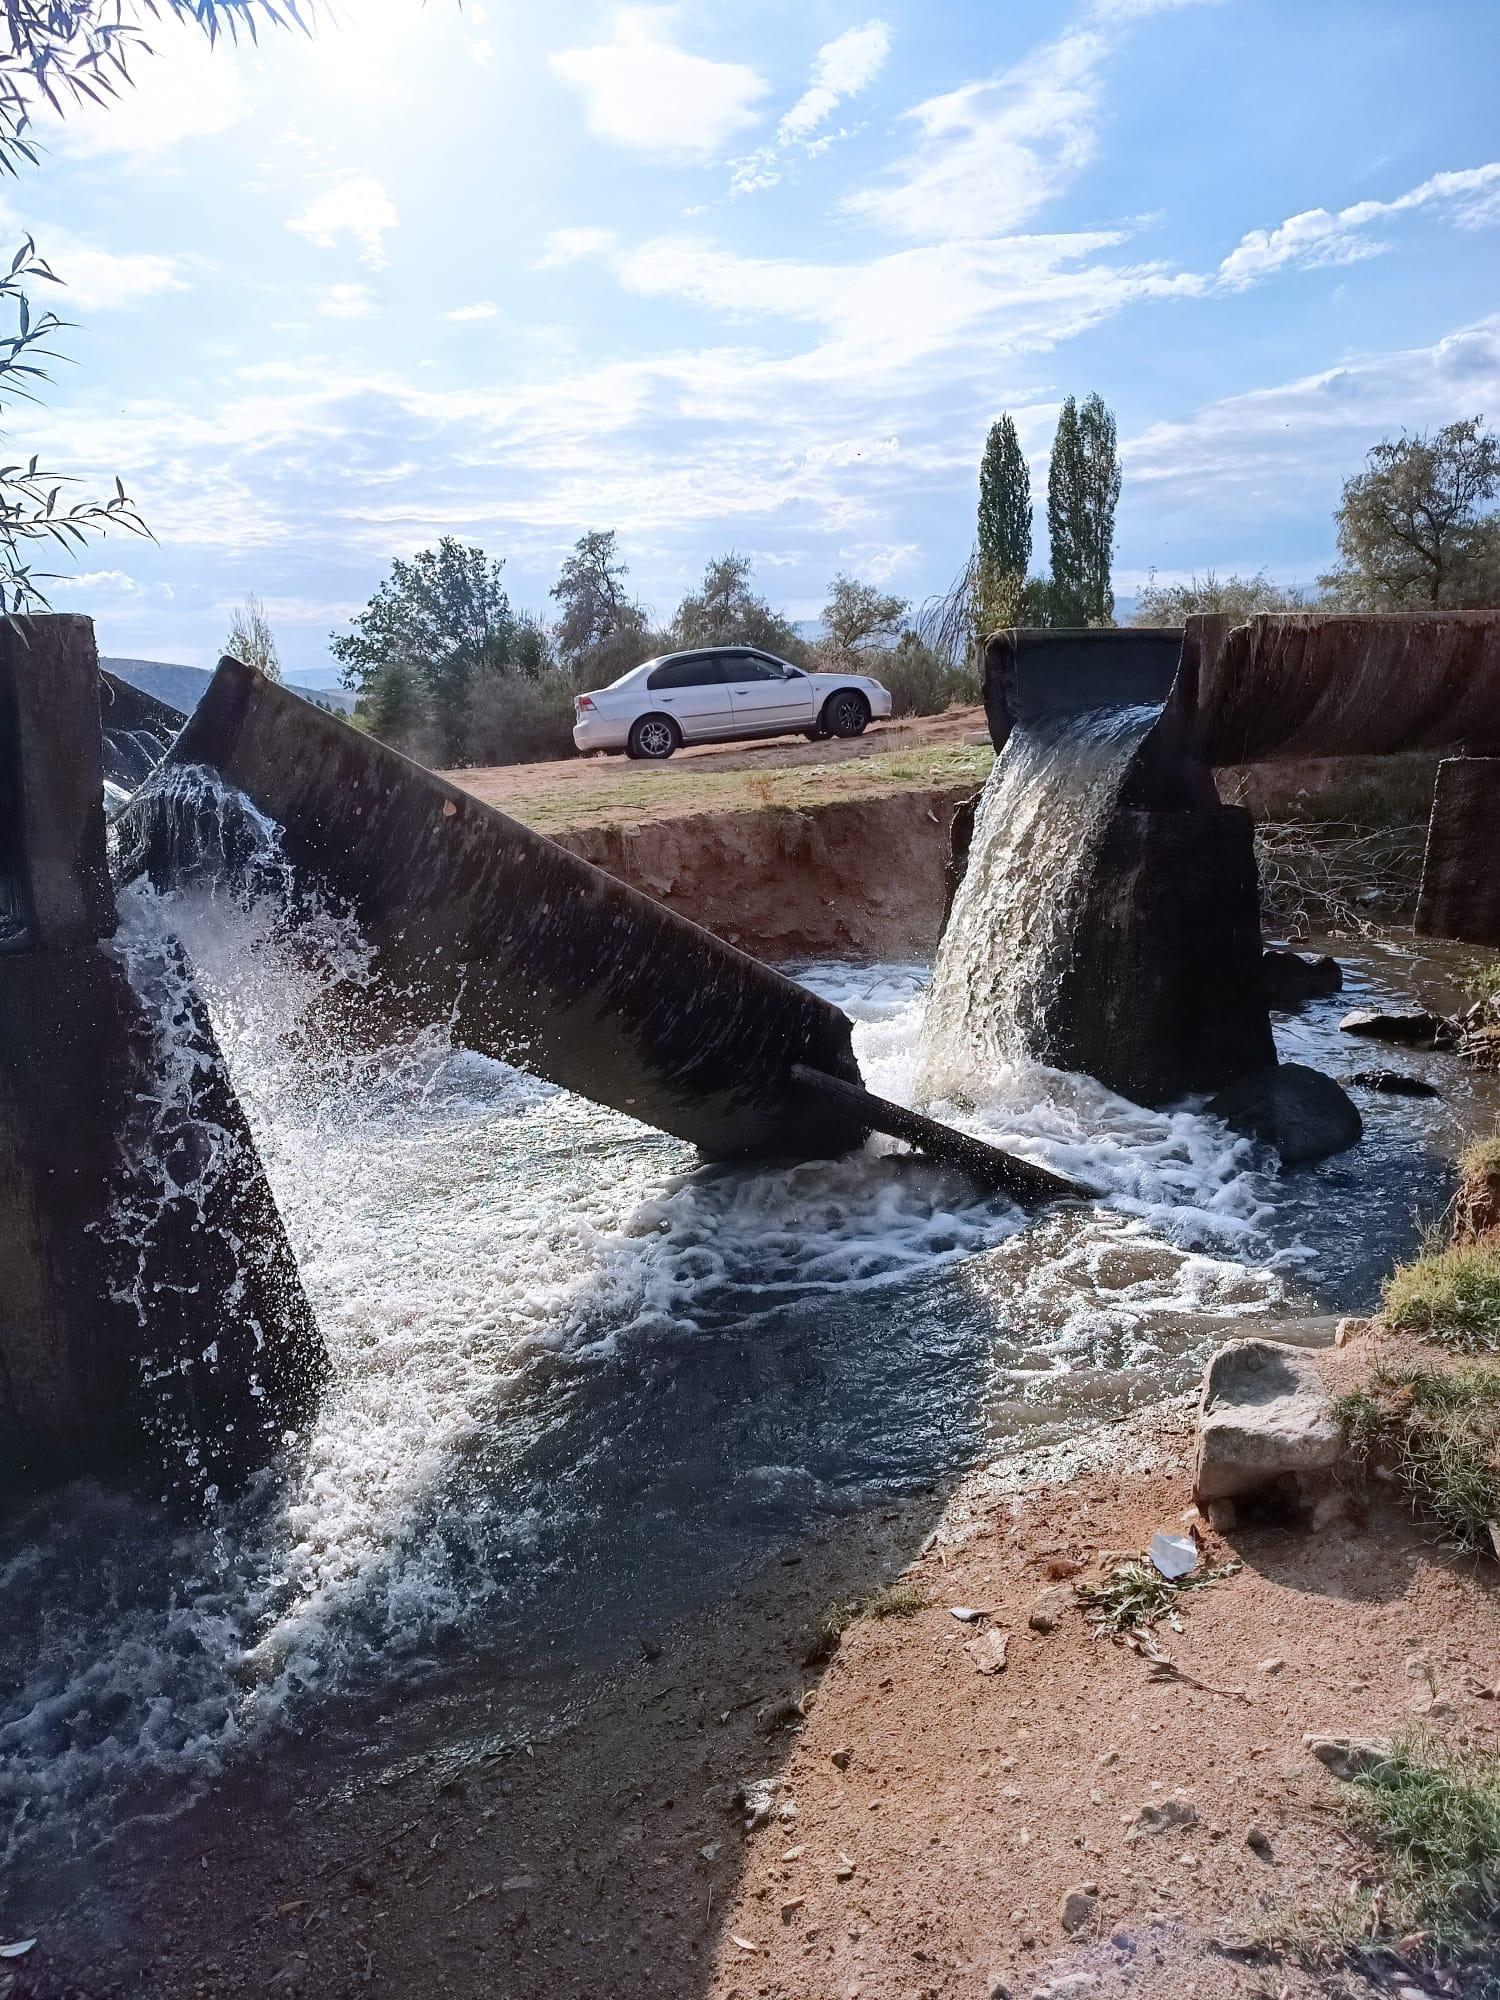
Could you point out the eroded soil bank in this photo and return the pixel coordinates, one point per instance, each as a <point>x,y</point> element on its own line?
<point>928,1819</point>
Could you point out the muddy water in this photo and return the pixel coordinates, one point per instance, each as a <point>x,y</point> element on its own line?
<point>580,1382</point>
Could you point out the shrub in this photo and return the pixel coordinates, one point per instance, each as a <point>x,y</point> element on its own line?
<point>921,681</point>
<point>517,720</point>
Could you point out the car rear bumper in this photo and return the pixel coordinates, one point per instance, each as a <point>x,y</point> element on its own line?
<point>599,732</point>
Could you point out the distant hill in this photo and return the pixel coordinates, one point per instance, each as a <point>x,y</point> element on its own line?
<point>184,687</point>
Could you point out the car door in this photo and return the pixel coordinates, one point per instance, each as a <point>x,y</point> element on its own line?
<point>767,693</point>
<point>693,693</point>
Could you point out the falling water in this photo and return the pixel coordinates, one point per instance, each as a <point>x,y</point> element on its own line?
<point>1042,816</point>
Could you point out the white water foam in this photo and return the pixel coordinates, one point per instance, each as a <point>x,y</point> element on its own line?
<point>550,1332</point>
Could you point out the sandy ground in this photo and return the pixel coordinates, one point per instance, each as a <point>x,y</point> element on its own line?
<point>928,1817</point>
<point>782,771</point>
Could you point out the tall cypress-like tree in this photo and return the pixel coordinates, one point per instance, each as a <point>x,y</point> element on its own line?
<point>1064,486</point>
<point>1083,491</point>
<point>1004,502</point>
<point>1099,456</point>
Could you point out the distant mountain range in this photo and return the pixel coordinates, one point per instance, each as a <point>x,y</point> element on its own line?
<point>185,687</point>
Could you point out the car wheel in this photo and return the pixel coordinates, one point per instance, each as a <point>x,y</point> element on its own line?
<point>845,714</point>
<point>653,737</point>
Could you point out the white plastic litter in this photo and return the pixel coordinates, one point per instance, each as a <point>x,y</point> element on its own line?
<point>17,1950</point>
<point>1173,1555</point>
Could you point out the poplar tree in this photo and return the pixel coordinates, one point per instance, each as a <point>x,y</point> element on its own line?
<point>1083,491</point>
<point>1004,542</point>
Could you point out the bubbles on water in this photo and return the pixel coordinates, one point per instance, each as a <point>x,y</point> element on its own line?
<point>577,1378</point>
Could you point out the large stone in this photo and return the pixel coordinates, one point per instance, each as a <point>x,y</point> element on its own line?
<point>1265,1422</point>
<point>1408,1027</point>
<point>1291,978</point>
<point>1302,1113</point>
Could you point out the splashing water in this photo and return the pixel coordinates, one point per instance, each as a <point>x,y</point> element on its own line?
<point>579,1380</point>
<point>1042,815</point>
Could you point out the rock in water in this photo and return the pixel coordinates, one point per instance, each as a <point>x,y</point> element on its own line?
<point>1302,1113</point>
<point>1265,1422</point>
<point>1412,1027</point>
<point>1291,978</point>
<point>1391,1083</point>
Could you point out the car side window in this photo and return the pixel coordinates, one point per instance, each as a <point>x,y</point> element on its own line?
<point>745,667</point>
<point>702,670</point>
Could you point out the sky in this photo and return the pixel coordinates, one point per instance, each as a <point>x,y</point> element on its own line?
<point>754,276</point>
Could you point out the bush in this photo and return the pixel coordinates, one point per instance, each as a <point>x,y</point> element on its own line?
<point>516,720</point>
<point>921,681</point>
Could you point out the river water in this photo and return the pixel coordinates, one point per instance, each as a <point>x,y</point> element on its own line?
<point>581,1382</point>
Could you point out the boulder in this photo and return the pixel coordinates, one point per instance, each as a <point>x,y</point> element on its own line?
<point>1266,1424</point>
<point>1302,1113</point>
<point>1291,978</point>
<point>1411,1027</point>
<point>1391,1083</point>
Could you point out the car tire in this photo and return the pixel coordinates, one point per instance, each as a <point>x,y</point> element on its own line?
<point>653,738</point>
<point>845,713</point>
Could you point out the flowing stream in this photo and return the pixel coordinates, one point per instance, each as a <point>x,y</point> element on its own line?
<point>580,1381</point>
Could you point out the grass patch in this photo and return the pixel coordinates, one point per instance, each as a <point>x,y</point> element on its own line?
<point>1480,1161</point>
<point>1483,981</point>
<point>892,1600</point>
<point>1431,1816</point>
<point>615,790</point>
<point>1135,1595</point>
<point>1440,1433</point>
<point>1451,1296</point>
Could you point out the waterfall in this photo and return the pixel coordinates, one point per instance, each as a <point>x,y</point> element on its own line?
<point>1043,814</point>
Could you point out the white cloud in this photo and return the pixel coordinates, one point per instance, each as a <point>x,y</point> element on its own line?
<point>1319,236</point>
<point>347,302</point>
<point>356,206</point>
<point>841,69</point>
<point>1321,420</point>
<point>481,309</point>
<point>642,91</point>
<point>99,280</point>
<point>988,155</point>
<point>567,246</point>
<point>95,580</point>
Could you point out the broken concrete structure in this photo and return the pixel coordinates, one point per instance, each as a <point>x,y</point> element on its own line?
<point>150,1306</point>
<point>521,950</point>
<point>1460,892</point>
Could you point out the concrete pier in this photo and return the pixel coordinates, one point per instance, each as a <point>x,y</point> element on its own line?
<point>150,1308</point>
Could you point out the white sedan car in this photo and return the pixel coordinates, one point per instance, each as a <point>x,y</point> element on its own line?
<point>717,693</point>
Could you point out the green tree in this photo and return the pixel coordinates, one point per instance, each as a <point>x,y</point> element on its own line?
<point>394,706</point>
<point>1083,492</point>
<point>1004,539</point>
<point>855,615</point>
<point>64,53</point>
<point>252,640</point>
<point>601,631</point>
<point>1415,528</point>
<point>1233,597</point>
<point>444,614</point>
<point>727,612</point>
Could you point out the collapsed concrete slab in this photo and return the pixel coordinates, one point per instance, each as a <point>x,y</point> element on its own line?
<point>150,1307</point>
<point>523,951</point>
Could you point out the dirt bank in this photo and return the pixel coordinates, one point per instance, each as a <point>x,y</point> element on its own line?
<point>927,1819</point>
<point>859,879</point>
